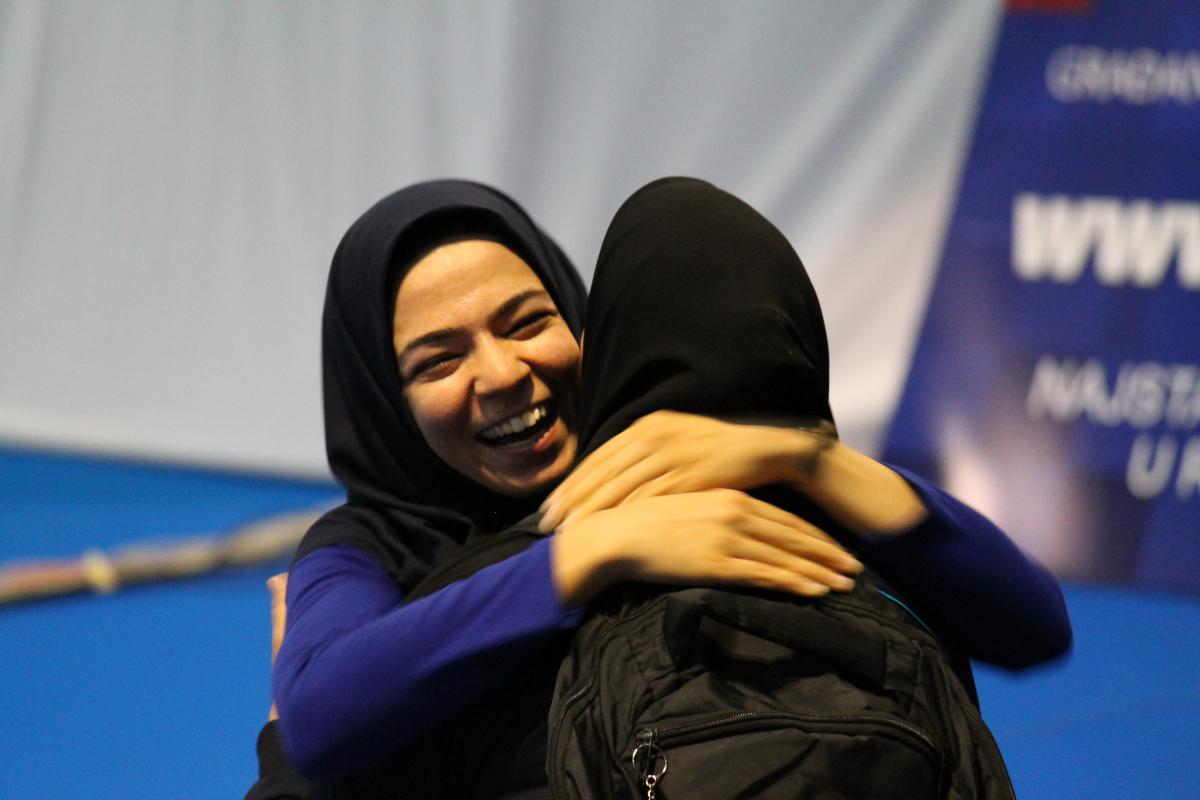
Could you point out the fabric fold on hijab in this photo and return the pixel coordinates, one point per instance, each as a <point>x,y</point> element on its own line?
<point>699,304</point>
<point>404,505</point>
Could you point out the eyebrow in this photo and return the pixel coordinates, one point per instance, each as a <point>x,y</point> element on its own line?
<point>437,337</point>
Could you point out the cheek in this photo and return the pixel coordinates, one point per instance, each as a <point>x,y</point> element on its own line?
<point>440,411</point>
<point>558,365</point>
<point>559,355</point>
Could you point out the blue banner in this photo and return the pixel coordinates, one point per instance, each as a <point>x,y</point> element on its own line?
<point>1056,380</point>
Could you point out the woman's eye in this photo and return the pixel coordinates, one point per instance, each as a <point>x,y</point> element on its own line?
<point>531,324</point>
<point>433,367</point>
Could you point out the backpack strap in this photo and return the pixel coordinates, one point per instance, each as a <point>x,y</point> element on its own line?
<point>725,618</point>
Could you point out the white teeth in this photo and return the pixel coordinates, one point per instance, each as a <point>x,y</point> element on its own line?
<point>517,423</point>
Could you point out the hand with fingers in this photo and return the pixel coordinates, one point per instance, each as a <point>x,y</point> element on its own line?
<point>277,586</point>
<point>713,537</point>
<point>669,452</point>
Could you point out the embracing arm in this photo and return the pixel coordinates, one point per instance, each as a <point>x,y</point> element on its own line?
<point>360,674</point>
<point>954,564</point>
<point>981,591</point>
<point>669,452</point>
<point>951,561</point>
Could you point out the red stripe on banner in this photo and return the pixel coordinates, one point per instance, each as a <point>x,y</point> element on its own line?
<point>1051,6</point>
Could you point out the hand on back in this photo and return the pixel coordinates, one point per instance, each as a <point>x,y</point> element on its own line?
<point>668,452</point>
<point>713,537</point>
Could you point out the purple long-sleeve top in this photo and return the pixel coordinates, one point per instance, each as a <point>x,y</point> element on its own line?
<point>360,673</point>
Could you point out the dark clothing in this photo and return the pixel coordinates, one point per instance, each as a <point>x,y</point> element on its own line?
<point>699,304</point>
<point>276,778</point>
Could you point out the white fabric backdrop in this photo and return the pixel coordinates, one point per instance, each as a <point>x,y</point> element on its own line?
<point>174,177</point>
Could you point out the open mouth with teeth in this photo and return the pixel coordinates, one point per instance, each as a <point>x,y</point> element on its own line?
<point>523,429</point>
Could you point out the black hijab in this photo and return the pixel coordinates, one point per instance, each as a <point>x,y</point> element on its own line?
<point>404,505</point>
<point>699,304</point>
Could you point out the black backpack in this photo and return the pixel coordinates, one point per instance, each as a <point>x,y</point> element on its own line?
<point>708,693</point>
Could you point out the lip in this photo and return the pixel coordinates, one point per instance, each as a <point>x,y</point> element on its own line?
<point>542,443</point>
<point>552,410</point>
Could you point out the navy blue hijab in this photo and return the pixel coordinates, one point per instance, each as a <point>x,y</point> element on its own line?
<point>404,505</point>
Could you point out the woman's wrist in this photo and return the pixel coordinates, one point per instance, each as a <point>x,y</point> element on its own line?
<point>810,446</point>
<point>863,495</point>
<point>583,565</point>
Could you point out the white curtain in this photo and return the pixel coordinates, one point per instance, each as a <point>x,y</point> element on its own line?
<point>174,177</point>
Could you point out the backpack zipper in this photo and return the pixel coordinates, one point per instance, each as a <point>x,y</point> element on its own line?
<point>647,758</point>
<point>554,757</point>
<point>651,761</point>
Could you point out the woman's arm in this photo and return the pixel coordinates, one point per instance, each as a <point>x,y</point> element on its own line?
<point>668,452</point>
<point>976,586</point>
<point>360,674</point>
<point>715,537</point>
<point>950,560</point>
<point>974,583</point>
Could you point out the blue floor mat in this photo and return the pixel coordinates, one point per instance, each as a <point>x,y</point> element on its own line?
<point>159,691</point>
<point>1120,716</point>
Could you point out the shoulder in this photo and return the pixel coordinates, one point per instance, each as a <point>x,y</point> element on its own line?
<point>347,526</point>
<point>404,545</point>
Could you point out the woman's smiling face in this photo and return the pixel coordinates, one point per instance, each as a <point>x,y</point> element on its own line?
<point>490,369</point>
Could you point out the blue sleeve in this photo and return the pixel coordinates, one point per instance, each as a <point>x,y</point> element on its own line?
<point>360,673</point>
<point>972,583</point>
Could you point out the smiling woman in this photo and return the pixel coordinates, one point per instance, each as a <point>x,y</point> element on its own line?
<point>448,313</point>
<point>489,366</point>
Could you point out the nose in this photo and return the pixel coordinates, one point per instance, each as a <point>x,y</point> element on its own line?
<point>498,368</point>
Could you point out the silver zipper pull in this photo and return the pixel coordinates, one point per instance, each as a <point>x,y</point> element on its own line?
<point>650,761</point>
